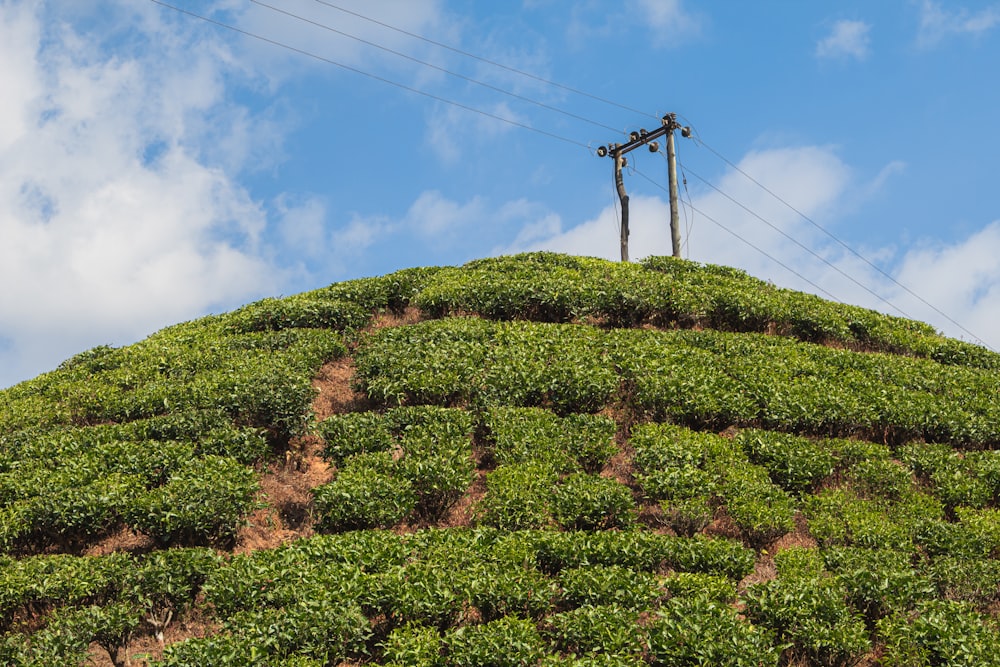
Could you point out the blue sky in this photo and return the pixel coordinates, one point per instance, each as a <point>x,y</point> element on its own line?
<point>155,167</point>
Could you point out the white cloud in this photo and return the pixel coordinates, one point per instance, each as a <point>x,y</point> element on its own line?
<point>668,19</point>
<point>937,23</point>
<point>339,33</point>
<point>962,279</point>
<point>452,131</point>
<point>665,23</point>
<point>434,215</point>
<point>118,212</point>
<point>847,39</point>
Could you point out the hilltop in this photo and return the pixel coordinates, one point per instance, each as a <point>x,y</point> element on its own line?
<point>527,460</point>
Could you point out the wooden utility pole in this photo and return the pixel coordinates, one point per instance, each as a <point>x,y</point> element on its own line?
<point>642,138</point>
<point>675,224</point>
<point>620,162</point>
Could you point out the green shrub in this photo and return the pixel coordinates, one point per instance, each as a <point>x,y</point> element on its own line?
<point>415,645</point>
<point>967,580</point>
<point>506,642</point>
<point>164,584</point>
<point>838,517</point>
<point>698,584</point>
<point>812,615</point>
<point>603,629</point>
<point>946,633</point>
<point>423,592</point>
<point>518,497</point>
<point>434,362</point>
<point>562,367</point>
<point>438,479</point>
<point>498,590</point>
<point>801,562</point>
<point>203,503</point>
<point>301,311</point>
<point>360,499</point>
<point>761,510</point>
<point>222,650</point>
<point>880,478</point>
<point>794,463</point>
<point>354,433</point>
<point>878,581</point>
<point>320,627</point>
<point>566,443</point>
<point>689,632</point>
<point>589,502</point>
<point>688,516</point>
<point>607,585</point>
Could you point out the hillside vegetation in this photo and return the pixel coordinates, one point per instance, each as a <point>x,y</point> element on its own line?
<point>528,460</point>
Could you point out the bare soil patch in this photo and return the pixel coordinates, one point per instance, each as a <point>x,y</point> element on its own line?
<point>335,386</point>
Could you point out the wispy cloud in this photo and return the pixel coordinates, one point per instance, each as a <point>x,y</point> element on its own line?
<point>938,23</point>
<point>666,22</point>
<point>669,19</point>
<point>847,40</point>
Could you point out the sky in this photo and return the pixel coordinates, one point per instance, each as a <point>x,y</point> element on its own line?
<point>157,166</point>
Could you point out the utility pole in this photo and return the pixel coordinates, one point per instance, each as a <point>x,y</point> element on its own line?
<point>620,162</point>
<point>642,138</point>
<point>675,223</point>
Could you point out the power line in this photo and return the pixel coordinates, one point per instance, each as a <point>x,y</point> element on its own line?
<point>747,241</point>
<point>523,98</point>
<point>843,244</point>
<point>802,245</point>
<point>376,77</point>
<point>467,54</point>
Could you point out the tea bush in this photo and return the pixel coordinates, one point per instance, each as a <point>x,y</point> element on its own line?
<point>609,585</point>
<point>363,498</point>
<point>203,503</point>
<point>698,631</point>
<point>761,510</point>
<point>600,629</point>
<point>794,463</point>
<point>499,590</point>
<point>589,502</point>
<point>518,497</point>
<point>811,613</point>
<point>302,311</point>
<point>697,584</point>
<point>569,443</point>
<point>354,433</point>
<point>506,642</point>
<point>940,632</point>
<point>411,644</point>
<point>878,581</point>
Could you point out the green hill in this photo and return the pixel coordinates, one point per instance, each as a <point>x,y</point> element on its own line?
<point>528,460</point>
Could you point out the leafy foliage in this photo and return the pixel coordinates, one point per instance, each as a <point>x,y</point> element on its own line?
<point>605,418</point>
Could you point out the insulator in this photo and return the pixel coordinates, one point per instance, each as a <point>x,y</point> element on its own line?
<point>643,132</point>
<point>602,151</point>
<point>634,136</point>
<point>686,132</point>
<point>654,146</point>
<point>624,162</point>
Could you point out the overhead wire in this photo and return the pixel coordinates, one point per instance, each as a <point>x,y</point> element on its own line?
<point>844,245</point>
<point>488,61</point>
<point>370,75</point>
<point>458,75</point>
<point>800,244</point>
<point>748,242</point>
<point>558,137</point>
<point>688,223</point>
